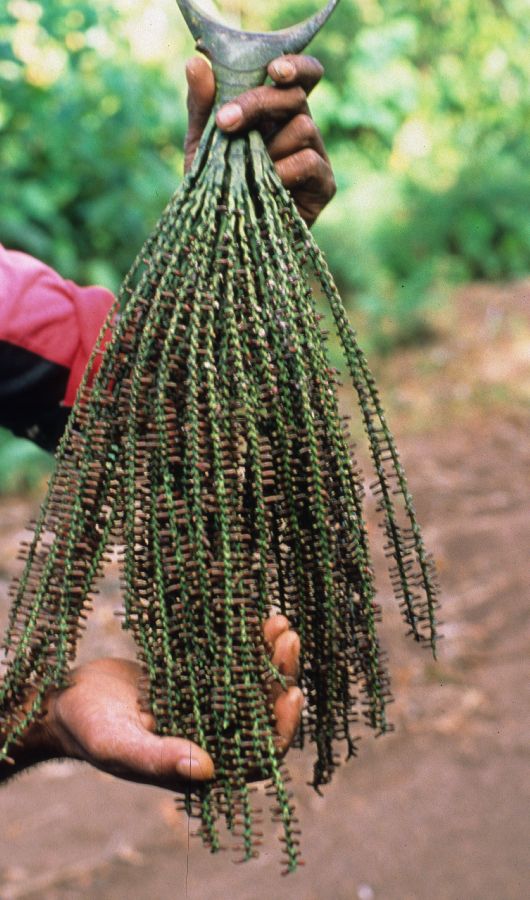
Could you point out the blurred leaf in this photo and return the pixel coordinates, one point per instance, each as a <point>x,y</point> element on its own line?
<point>22,465</point>
<point>424,110</point>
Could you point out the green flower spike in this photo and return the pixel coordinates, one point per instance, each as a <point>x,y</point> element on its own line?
<point>207,445</point>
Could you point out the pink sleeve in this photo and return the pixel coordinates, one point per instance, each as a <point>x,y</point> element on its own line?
<point>49,315</point>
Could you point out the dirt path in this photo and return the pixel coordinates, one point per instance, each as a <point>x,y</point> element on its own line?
<point>436,811</point>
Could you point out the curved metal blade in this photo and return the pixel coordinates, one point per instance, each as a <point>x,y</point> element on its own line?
<point>215,38</point>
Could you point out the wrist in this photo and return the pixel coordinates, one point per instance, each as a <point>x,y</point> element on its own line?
<point>38,744</point>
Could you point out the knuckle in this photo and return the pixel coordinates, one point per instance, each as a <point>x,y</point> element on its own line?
<point>315,65</point>
<point>305,127</point>
<point>312,161</point>
<point>256,99</point>
<point>331,187</point>
<point>254,104</point>
<point>299,96</point>
<point>247,102</point>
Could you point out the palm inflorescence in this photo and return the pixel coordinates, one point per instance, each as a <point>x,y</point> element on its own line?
<point>207,445</point>
<point>206,448</point>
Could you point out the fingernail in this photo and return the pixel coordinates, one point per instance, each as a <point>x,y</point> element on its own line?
<point>229,115</point>
<point>189,767</point>
<point>283,69</point>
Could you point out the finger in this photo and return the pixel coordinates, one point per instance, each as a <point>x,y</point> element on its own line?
<point>263,103</point>
<point>300,133</point>
<point>304,168</point>
<point>288,711</point>
<point>273,627</point>
<point>201,91</point>
<point>201,95</point>
<point>287,654</point>
<point>135,751</point>
<point>295,69</point>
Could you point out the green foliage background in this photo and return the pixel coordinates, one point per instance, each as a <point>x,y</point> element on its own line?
<point>425,110</point>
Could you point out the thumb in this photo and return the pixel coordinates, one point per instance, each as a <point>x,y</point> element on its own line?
<point>152,756</point>
<point>201,96</point>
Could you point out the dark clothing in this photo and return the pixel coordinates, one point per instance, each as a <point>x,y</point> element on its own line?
<point>48,328</point>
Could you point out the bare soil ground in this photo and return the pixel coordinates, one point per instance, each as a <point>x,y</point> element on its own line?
<point>436,811</point>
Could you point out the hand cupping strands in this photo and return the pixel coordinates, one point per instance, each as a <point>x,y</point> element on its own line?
<point>211,450</point>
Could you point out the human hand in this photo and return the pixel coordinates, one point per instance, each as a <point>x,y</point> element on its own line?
<point>98,719</point>
<point>280,112</point>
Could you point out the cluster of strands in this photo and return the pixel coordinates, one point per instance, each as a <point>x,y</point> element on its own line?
<point>210,448</point>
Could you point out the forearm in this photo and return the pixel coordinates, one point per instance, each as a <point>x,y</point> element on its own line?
<point>48,328</point>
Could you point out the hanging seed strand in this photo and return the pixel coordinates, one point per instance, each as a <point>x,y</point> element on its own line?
<point>207,445</point>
